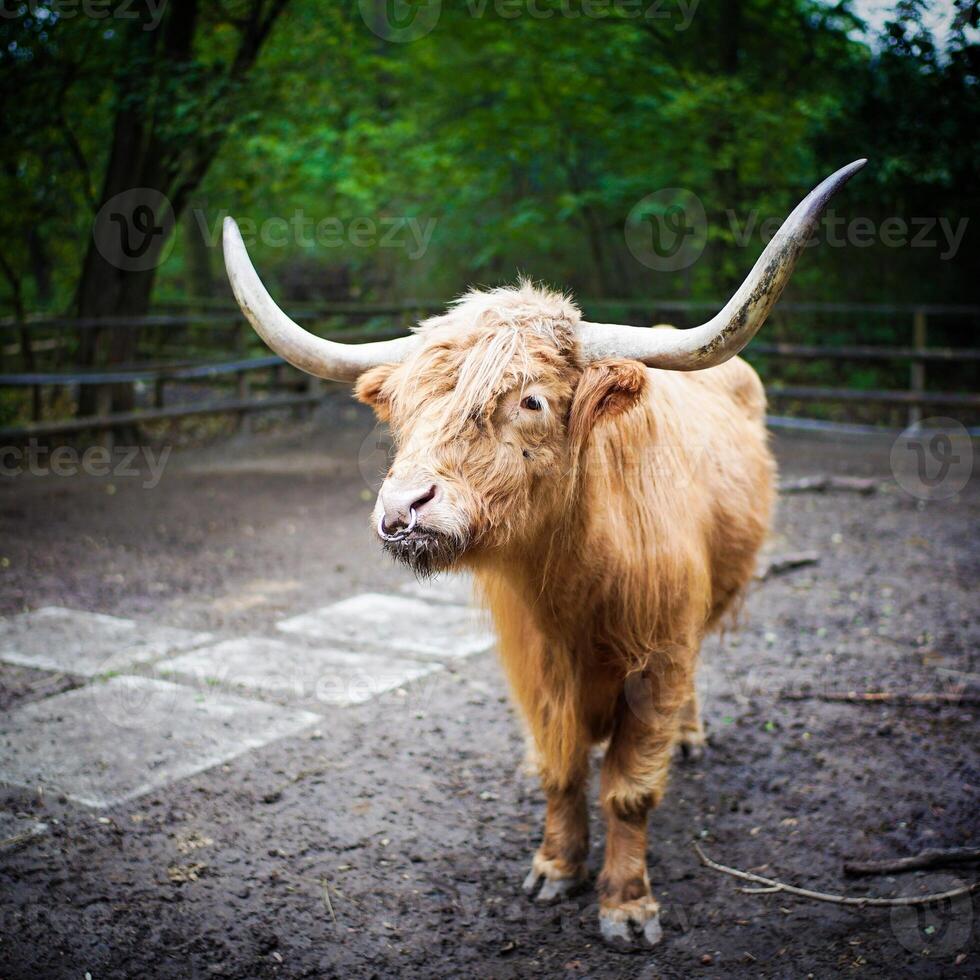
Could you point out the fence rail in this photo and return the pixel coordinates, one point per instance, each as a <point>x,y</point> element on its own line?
<point>641,308</point>
<point>187,373</point>
<point>214,370</point>
<point>99,423</point>
<point>304,392</point>
<point>872,395</point>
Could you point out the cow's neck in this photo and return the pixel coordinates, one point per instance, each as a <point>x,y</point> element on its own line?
<point>546,570</point>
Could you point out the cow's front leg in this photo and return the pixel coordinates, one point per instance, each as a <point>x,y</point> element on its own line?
<point>559,865</point>
<point>634,776</point>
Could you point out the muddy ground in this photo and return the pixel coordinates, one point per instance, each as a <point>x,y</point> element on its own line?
<point>392,841</point>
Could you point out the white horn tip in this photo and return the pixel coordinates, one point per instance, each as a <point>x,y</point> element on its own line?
<point>850,169</point>
<point>230,229</point>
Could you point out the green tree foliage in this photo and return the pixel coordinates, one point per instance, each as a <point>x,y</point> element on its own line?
<point>167,80</point>
<point>512,137</point>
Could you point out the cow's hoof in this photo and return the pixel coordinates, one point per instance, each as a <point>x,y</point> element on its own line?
<point>554,885</point>
<point>631,927</point>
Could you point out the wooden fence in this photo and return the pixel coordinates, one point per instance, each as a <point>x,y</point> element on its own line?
<point>283,388</point>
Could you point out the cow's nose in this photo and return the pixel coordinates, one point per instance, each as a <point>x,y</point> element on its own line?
<point>399,502</point>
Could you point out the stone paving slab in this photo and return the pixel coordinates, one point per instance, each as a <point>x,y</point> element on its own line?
<point>400,623</point>
<point>112,741</point>
<point>87,643</point>
<point>15,830</point>
<point>268,666</point>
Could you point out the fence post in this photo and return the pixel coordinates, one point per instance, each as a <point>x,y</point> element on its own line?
<point>917,372</point>
<point>242,391</point>
<point>103,409</point>
<point>312,388</point>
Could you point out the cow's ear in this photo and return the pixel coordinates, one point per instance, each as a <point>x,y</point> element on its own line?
<point>372,389</point>
<point>607,388</point>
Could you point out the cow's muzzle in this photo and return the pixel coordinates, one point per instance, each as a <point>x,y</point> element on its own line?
<point>400,533</point>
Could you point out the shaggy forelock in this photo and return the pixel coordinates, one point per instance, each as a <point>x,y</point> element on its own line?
<point>527,307</point>
<point>496,332</point>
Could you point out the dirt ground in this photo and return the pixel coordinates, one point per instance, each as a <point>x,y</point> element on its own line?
<point>392,841</point>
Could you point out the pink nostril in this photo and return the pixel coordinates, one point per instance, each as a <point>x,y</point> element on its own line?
<point>425,498</point>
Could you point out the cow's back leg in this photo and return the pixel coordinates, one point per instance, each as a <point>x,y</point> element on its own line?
<point>634,777</point>
<point>690,735</point>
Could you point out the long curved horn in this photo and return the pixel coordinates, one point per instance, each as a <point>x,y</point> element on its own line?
<point>312,354</point>
<point>726,334</point>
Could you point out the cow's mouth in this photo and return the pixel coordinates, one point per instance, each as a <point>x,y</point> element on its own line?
<point>425,552</point>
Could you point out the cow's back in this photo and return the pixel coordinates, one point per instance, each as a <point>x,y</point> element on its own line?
<point>743,485</point>
<point>685,482</point>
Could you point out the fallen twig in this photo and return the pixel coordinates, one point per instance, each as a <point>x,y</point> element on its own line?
<point>821,484</point>
<point>772,887</point>
<point>787,563</point>
<point>22,838</point>
<point>885,697</point>
<point>17,839</point>
<point>970,678</point>
<point>931,858</point>
<point>325,885</point>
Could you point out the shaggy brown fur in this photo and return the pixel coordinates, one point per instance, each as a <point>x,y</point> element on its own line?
<point>609,530</point>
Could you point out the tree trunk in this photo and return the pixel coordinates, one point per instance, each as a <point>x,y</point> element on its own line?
<point>197,255</point>
<point>40,267</point>
<point>109,286</point>
<point>725,133</point>
<point>151,172</point>
<point>23,332</point>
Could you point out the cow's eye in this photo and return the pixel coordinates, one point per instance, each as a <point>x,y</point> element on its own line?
<point>531,403</point>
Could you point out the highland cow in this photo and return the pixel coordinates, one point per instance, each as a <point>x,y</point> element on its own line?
<point>610,487</point>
